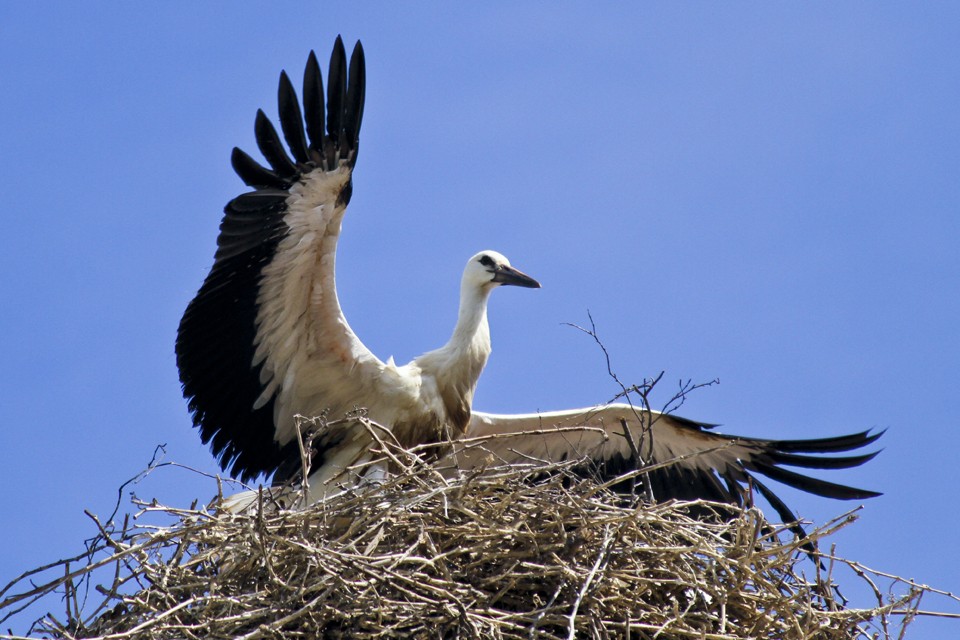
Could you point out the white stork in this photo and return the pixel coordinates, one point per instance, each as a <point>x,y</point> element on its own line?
<point>265,340</point>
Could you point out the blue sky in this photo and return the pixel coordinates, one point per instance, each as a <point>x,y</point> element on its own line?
<point>766,194</point>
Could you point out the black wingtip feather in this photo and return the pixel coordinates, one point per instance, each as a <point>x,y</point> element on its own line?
<point>813,462</point>
<point>787,516</point>
<point>336,97</point>
<point>253,173</point>
<point>291,120</point>
<point>353,113</point>
<point>313,106</point>
<point>812,485</point>
<point>271,147</point>
<point>829,445</point>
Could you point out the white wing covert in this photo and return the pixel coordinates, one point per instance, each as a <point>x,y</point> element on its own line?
<point>265,337</point>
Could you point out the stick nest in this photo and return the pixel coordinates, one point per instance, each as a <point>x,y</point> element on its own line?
<point>506,554</point>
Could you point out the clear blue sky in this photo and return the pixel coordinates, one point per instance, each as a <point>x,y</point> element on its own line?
<point>767,194</point>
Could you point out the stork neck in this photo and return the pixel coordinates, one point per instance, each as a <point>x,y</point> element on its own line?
<point>456,366</point>
<point>472,331</point>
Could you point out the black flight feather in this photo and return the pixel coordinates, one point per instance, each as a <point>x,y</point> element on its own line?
<point>272,149</point>
<point>313,103</point>
<point>253,173</point>
<point>336,96</point>
<point>291,121</point>
<point>811,485</point>
<point>216,342</point>
<point>353,108</point>
<point>813,462</point>
<point>830,445</point>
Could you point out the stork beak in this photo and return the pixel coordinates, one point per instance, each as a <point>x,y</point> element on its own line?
<point>509,275</point>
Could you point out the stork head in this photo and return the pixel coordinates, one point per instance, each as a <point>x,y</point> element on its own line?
<point>489,269</point>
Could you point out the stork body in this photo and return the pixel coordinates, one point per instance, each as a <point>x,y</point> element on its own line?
<point>265,340</point>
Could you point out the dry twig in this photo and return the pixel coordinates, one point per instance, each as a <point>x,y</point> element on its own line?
<point>507,554</point>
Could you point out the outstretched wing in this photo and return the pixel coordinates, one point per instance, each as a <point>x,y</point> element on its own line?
<point>265,338</point>
<point>685,459</point>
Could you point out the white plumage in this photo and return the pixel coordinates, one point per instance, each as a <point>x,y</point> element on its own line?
<point>265,340</point>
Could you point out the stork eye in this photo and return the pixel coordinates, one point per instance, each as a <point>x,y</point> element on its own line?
<point>486,261</point>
